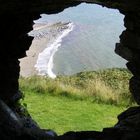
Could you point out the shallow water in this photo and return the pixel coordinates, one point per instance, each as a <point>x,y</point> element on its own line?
<point>91,44</point>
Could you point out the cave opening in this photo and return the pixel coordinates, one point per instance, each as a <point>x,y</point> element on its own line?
<point>17,19</point>
<point>88,47</point>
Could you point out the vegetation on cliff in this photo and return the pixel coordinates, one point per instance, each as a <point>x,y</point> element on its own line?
<point>108,86</point>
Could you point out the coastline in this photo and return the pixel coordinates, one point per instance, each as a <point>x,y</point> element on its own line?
<point>44,35</point>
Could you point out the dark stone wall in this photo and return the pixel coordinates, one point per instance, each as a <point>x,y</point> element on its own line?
<point>17,20</point>
<point>129,49</point>
<point>14,43</point>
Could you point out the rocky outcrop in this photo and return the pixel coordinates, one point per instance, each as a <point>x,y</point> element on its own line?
<point>17,20</point>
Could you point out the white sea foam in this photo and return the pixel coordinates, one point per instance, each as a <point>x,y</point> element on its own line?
<point>44,63</point>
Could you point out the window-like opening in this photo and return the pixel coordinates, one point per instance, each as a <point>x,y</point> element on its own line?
<point>78,39</point>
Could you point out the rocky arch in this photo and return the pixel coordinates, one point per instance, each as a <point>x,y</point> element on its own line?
<point>17,20</point>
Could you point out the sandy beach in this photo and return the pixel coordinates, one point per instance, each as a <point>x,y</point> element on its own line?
<point>44,34</point>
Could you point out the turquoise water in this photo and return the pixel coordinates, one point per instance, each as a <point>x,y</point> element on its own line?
<point>91,44</point>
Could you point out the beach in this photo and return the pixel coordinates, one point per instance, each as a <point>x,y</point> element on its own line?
<point>72,41</point>
<point>44,35</point>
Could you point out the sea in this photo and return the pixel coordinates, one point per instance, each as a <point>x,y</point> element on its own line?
<point>86,45</point>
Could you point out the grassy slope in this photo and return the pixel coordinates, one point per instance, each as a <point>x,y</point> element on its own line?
<point>85,101</point>
<point>63,114</point>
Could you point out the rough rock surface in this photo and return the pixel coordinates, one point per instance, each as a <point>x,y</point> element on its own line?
<point>17,20</point>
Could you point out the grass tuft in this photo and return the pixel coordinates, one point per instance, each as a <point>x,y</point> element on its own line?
<point>108,86</point>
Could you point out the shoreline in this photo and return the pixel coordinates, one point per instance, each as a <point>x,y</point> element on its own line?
<point>45,61</point>
<point>44,35</point>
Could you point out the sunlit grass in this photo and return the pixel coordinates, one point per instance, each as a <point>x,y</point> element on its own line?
<point>63,114</point>
<point>85,101</point>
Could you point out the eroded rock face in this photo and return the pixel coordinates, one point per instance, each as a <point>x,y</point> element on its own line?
<point>17,20</point>
<point>129,49</point>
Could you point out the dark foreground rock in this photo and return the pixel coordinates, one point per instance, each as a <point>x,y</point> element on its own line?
<point>15,124</point>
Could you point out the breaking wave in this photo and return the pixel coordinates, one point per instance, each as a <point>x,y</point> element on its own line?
<point>44,64</point>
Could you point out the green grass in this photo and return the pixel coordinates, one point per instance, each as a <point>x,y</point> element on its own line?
<point>63,114</point>
<point>85,101</point>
